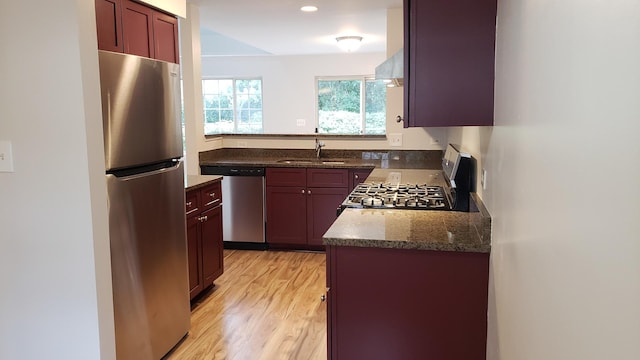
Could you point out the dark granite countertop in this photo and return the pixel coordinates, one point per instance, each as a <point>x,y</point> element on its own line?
<point>412,229</point>
<point>385,159</point>
<point>192,182</point>
<point>400,229</point>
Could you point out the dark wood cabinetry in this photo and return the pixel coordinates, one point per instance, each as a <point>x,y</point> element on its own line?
<point>109,25</point>
<point>137,29</point>
<point>204,236</point>
<point>357,176</point>
<point>302,204</point>
<point>165,37</point>
<point>449,60</point>
<point>435,304</point>
<point>134,28</point>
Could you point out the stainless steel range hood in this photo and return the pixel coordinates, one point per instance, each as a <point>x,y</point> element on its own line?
<point>392,69</point>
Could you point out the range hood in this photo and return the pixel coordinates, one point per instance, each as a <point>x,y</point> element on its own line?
<point>392,69</point>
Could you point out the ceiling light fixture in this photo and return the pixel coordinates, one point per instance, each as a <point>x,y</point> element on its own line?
<point>349,43</point>
<point>309,8</point>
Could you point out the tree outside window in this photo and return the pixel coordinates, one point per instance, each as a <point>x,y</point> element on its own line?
<point>351,106</point>
<point>232,106</point>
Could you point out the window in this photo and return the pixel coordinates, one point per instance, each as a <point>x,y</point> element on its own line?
<point>232,106</point>
<point>355,105</point>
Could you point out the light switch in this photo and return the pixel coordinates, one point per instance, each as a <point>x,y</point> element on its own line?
<point>6,158</point>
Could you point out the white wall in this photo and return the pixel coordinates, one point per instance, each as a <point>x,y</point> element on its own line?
<point>563,181</point>
<point>288,82</point>
<point>176,7</point>
<point>289,94</point>
<point>54,247</point>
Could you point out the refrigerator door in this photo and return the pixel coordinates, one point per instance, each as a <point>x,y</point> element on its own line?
<point>140,110</point>
<point>149,262</point>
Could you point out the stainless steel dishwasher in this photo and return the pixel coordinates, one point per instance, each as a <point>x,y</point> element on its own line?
<point>243,208</point>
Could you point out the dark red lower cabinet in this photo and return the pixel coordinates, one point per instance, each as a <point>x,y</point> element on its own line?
<point>406,304</point>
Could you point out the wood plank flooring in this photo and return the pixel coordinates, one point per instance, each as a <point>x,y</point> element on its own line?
<point>266,305</point>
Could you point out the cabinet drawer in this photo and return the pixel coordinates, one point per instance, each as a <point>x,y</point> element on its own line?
<point>327,177</point>
<point>286,177</point>
<point>211,195</point>
<point>191,203</point>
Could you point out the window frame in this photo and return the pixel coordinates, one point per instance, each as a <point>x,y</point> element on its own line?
<point>363,100</point>
<point>234,102</point>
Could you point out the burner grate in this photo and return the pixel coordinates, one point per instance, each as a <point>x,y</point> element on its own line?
<point>400,196</point>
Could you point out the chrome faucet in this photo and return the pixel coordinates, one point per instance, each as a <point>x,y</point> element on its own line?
<point>319,146</point>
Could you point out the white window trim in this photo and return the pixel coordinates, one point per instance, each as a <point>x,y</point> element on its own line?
<point>363,100</point>
<point>233,102</point>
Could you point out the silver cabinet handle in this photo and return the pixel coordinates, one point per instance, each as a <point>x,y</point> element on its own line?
<point>189,203</point>
<point>212,194</point>
<point>323,297</point>
<point>202,218</point>
<point>309,192</point>
<point>213,201</point>
<point>356,176</point>
<point>303,191</point>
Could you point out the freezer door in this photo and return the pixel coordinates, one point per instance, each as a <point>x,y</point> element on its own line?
<point>140,110</point>
<point>149,262</point>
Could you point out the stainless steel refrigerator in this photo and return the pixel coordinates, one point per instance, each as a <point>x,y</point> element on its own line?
<point>145,184</point>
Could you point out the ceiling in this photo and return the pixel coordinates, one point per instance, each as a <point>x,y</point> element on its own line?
<point>278,27</point>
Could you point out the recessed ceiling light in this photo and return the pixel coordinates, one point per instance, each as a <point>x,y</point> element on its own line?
<point>309,8</point>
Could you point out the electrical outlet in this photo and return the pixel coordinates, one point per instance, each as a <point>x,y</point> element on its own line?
<point>6,158</point>
<point>395,139</point>
<point>483,179</point>
<point>301,122</point>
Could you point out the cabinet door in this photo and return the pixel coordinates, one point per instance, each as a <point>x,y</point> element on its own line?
<point>330,299</point>
<point>137,25</point>
<point>439,302</point>
<point>449,62</point>
<point>321,177</point>
<point>357,176</point>
<point>193,255</point>
<point>286,177</point>
<point>109,25</point>
<point>322,205</point>
<point>211,244</point>
<point>286,215</point>
<point>165,37</point>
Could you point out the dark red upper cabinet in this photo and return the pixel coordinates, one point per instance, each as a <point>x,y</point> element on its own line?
<point>109,25</point>
<point>165,37</point>
<point>137,23</point>
<point>449,62</point>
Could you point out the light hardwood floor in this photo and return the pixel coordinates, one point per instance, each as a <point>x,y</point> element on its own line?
<point>266,305</point>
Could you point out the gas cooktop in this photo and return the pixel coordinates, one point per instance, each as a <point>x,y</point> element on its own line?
<point>458,172</point>
<point>397,196</point>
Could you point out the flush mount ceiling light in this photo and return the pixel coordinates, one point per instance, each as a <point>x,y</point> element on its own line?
<point>349,43</point>
<point>309,8</point>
